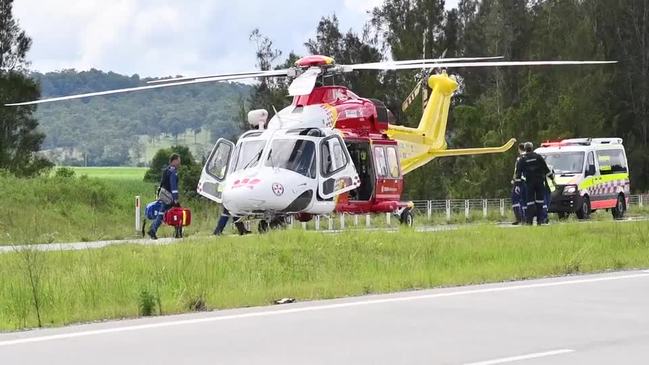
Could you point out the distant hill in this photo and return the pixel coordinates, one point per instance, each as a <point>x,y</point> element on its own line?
<point>119,129</point>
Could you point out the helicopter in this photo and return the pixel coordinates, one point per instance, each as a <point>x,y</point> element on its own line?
<point>330,150</point>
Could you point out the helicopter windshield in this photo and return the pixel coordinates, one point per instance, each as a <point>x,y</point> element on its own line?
<point>248,154</point>
<point>297,155</point>
<point>566,162</point>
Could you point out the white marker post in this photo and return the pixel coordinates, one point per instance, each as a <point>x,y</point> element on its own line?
<point>138,215</point>
<point>485,204</point>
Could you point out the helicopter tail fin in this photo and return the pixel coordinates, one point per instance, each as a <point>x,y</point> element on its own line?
<point>420,145</point>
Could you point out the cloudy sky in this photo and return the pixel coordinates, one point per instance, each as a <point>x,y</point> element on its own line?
<point>170,37</point>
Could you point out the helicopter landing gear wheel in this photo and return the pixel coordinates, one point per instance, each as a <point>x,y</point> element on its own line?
<point>263,226</point>
<point>406,218</point>
<point>278,223</point>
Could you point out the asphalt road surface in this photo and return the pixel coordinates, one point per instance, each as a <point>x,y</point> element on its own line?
<point>593,319</point>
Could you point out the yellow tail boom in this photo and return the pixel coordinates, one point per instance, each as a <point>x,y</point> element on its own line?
<point>418,146</point>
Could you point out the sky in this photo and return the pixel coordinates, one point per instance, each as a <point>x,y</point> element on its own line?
<point>171,37</point>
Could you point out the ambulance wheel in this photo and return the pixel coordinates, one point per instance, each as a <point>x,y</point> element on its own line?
<point>407,219</point>
<point>620,207</point>
<point>263,226</point>
<point>584,210</point>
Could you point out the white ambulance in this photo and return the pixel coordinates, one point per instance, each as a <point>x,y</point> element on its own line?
<point>590,174</point>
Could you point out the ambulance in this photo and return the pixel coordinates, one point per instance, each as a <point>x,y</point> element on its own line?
<point>590,174</point>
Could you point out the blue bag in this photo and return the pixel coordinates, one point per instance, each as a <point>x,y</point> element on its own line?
<point>153,209</point>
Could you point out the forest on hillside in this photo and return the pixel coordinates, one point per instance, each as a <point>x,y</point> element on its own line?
<point>493,104</point>
<point>105,130</point>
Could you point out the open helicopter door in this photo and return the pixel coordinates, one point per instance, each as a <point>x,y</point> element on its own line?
<point>337,172</point>
<point>215,170</point>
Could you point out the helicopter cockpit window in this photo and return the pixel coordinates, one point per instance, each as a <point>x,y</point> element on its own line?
<point>248,154</point>
<point>379,162</point>
<point>297,155</point>
<point>333,156</point>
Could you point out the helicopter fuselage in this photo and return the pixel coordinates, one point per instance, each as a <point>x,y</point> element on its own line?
<point>325,152</point>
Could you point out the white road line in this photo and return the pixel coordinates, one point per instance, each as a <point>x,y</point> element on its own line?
<point>522,357</point>
<point>268,313</point>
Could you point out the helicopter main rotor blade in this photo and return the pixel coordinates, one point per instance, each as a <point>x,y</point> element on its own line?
<point>479,64</point>
<point>433,61</point>
<point>149,87</point>
<point>270,73</point>
<point>411,97</point>
<point>304,84</point>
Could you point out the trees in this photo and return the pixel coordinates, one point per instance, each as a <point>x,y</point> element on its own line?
<point>19,139</point>
<point>188,174</point>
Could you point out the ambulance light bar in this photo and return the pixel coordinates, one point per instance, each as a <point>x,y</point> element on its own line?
<point>581,142</point>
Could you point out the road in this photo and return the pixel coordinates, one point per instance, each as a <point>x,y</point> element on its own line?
<point>591,319</point>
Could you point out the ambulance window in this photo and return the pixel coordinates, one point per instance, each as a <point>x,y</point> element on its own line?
<point>590,163</point>
<point>333,155</point>
<point>393,162</point>
<point>611,162</point>
<point>379,162</point>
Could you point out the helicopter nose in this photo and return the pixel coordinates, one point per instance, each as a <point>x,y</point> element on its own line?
<point>242,195</point>
<point>266,191</point>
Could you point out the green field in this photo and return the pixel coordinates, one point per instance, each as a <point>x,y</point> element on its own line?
<point>209,274</point>
<point>120,173</point>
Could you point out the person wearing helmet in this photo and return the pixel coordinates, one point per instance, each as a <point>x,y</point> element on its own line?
<point>535,170</point>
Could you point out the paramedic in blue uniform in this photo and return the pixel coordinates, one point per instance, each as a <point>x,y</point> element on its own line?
<point>223,221</point>
<point>535,170</point>
<point>169,182</point>
<point>518,191</point>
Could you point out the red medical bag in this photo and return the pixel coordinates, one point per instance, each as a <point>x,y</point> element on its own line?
<point>178,217</point>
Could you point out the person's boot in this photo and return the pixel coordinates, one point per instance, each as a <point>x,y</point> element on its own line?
<point>152,234</point>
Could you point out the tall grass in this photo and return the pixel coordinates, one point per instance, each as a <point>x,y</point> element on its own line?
<point>198,274</point>
<point>72,209</point>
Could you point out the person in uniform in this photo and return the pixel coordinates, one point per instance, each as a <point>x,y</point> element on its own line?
<point>533,167</point>
<point>518,191</point>
<point>167,193</point>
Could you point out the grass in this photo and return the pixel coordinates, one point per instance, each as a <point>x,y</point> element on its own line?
<point>112,173</point>
<point>198,274</point>
<point>55,209</point>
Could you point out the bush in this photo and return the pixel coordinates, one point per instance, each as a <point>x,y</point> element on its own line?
<point>64,172</point>
<point>147,302</point>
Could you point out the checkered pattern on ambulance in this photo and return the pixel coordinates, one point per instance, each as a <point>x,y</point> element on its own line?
<point>610,188</point>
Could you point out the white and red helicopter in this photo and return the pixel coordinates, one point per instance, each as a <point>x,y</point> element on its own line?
<point>330,150</point>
